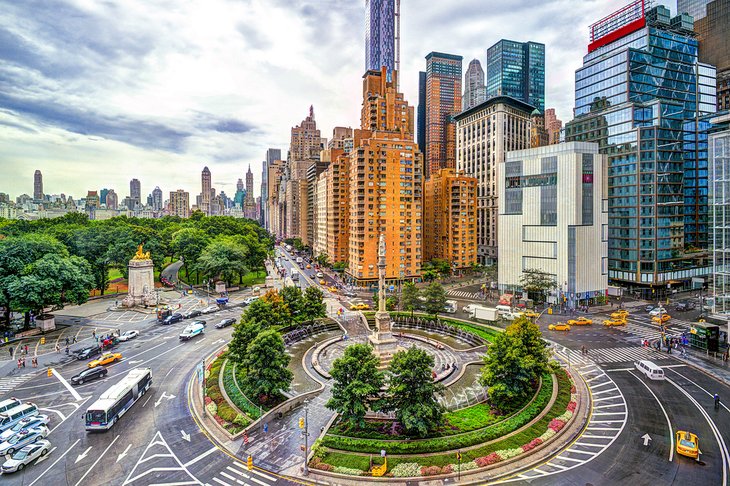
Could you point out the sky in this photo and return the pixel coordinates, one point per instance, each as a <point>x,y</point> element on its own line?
<point>97,92</point>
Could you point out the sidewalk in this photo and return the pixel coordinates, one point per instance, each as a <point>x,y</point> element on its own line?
<point>713,366</point>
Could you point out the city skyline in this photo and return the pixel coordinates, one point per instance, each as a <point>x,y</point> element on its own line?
<point>158,108</point>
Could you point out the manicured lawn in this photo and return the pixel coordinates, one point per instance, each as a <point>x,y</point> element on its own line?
<point>114,273</point>
<point>251,278</point>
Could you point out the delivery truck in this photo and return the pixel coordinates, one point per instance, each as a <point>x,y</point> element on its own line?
<point>484,313</point>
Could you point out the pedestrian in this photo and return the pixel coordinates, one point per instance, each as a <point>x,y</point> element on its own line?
<point>74,339</point>
<point>67,341</point>
<point>67,351</point>
<point>10,350</point>
<point>35,361</point>
<point>26,349</point>
<point>717,400</point>
<point>93,334</point>
<point>58,348</point>
<point>23,362</point>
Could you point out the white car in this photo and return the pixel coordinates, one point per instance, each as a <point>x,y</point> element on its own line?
<point>23,438</point>
<point>25,456</point>
<point>249,300</point>
<point>320,275</point>
<point>210,309</point>
<point>468,308</point>
<point>657,310</point>
<point>26,423</point>
<point>127,335</point>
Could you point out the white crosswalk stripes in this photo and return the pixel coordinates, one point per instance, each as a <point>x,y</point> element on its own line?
<point>9,384</point>
<point>465,295</point>
<point>238,474</point>
<point>630,353</point>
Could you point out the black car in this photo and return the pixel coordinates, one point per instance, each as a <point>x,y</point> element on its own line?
<point>684,306</point>
<point>202,323</point>
<point>87,353</point>
<point>176,317</point>
<point>192,313</point>
<point>225,323</point>
<point>88,375</point>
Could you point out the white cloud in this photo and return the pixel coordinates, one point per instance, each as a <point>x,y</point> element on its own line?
<point>96,93</point>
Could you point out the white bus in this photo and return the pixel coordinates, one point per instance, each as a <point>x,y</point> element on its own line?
<point>112,404</point>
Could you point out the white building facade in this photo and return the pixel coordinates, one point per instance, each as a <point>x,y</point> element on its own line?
<point>719,202</point>
<point>553,217</point>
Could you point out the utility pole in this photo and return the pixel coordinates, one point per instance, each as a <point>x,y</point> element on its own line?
<point>306,436</point>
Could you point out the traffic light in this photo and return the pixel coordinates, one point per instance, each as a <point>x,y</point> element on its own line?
<point>249,463</point>
<point>43,340</point>
<point>50,372</point>
<point>301,422</point>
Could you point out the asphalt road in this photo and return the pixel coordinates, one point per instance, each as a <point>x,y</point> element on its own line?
<point>157,440</point>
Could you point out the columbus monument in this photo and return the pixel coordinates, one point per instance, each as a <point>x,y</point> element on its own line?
<point>141,280</point>
<point>382,340</point>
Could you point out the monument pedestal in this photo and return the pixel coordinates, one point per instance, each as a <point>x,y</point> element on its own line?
<point>141,284</point>
<point>384,344</point>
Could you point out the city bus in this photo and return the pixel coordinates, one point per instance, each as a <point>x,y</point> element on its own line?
<point>115,402</point>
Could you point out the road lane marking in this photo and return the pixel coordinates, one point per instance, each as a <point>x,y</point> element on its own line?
<point>97,460</point>
<point>55,462</point>
<point>698,386</point>
<point>221,482</point>
<point>228,476</point>
<point>200,457</point>
<point>669,423</point>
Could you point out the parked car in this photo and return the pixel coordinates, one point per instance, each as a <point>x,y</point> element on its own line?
<point>26,423</point>
<point>172,319</point>
<point>210,309</point>
<point>104,359</point>
<point>25,456</point>
<point>127,335</point>
<point>88,375</point>
<point>192,313</point>
<point>88,352</point>
<point>23,438</point>
<point>225,323</point>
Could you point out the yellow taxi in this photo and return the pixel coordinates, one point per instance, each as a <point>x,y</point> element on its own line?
<point>530,314</point>
<point>559,326</point>
<point>106,358</point>
<point>687,444</point>
<point>581,321</point>
<point>620,314</point>
<point>359,307</point>
<point>332,289</point>
<point>614,322</point>
<point>309,266</point>
<point>661,319</point>
<point>323,282</point>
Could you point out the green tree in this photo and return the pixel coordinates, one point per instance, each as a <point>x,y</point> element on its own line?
<point>409,297</point>
<point>515,361</point>
<point>537,282</point>
<point>189,244</point>
<point>323,259</point>
<point>223,258</point>
<point>93,244</point>
<point>313,306</point>
<point>339,266</point>
<point>294,301</point>
<point>429,274</point>
<point>435,296</point>
<point>266,361</point>
<point>441,266</point>
<point>356,383</point>
<point>263,313</point>
<point>243,335</point>
<point>412,393</point>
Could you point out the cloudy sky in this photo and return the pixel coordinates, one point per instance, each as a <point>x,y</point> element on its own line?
<point>96,92</point>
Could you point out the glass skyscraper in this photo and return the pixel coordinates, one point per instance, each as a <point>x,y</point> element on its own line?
<point>641,94</point>
<point>379,35</point>
<point>696,8</point>
<point>517,69</point>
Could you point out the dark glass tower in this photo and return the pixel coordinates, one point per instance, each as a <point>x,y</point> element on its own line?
<point>641,94</point>
<point>421,122</point>
<point>517,69</point>
<point>379,35</point>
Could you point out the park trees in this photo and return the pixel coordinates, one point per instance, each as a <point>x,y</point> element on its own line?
<point>435,298</point>
<point>412,393</point>
<point>266,361</point>
<point>409,297</point>
<point>312,303</point>
<point>223,258</point>
<point>189,243</point>
<point>357,383</point>
<point>243,335</point>
<point>516,360</point>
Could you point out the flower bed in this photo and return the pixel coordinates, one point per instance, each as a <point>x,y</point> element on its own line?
<point>216,405</point>
<point>236,395</point>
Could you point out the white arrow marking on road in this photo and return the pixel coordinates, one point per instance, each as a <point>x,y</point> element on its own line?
<point>43,458</point>
<point>81,456</point>
<point>123,454</point>
<point>164,395</point>
<point>185,436</point>
<point>646,438</point>
<point>135,362</point>
<point>219,341</point>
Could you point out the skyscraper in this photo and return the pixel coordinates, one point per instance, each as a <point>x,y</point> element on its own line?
<point>421,122</point>
<point>112,200</point>
<point>102,195</point>
<point>443,100</point>
<point>474,89</point>
<point>135,193</point>
<point>249,202</point>
<point>157,199</point>
<point>239,184</point>
<point>553,126</point>
<point>380,32</point>
<point>517,69</point>
<point>179,204</point>
<point>713,33</point>
<point>648,120</point>
<point>271,155</point>
<point>696,8</point>
<point>38,186</point>
<point>205,193</point>
<point>249,182</point>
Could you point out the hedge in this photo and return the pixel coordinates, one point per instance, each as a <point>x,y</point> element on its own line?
<point>447,443</point>
<point>235,393</point>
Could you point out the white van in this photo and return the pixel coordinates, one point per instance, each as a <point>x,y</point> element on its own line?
<point>191,331</point>
<point>6,405</point>
<point>503,309</point>
<point>651,370</point>
<point>14,415</point>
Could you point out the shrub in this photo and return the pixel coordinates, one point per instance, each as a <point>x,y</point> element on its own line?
<point>406,470</point>
<point>565,416</point>
<point>322,466</point>
<point>465,466</point>
<point>208,400</point>
<point>226,412</point>
<point>241,420</point>
<point>549,433</point>
<point>556,424</point>
<point>571,406</point>
<point>488,460</point>
<point>509,453</point>
<point>572,389</point>
<point>215,394</point>
<point>430,470</point>
<point>447,469</point>
<point>211,408</point>
<point>348,470</point>
<point>532,444</point>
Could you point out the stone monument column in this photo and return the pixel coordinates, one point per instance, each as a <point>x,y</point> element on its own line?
<point>384,344</point>
<point>141,280</point>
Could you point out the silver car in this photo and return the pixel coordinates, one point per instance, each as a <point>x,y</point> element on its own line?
<point>23,438</point>
<point>25,456</point>
<point>127,335</point>
<point>26,423</point>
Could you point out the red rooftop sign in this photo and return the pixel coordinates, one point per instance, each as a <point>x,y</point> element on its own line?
<point>617,25</point>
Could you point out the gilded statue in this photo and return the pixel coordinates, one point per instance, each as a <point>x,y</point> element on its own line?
<point>141,255</point>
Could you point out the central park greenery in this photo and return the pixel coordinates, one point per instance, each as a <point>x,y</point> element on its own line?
<point>47,263</point>
<point>516,370</point>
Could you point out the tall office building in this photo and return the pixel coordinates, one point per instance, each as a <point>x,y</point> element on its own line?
<point>484,134</point>
<point>719,173</point>
<point>38,186</point>
<point>239,185</point>
<point>443,101</point>
<point>111,200</point>
<point>179,204</point>
<point>553,126</point>
<point>92,201</point>
<point>713,33</point>
<point>696,8</point>
<point>249,202</point>
<point>205,193</point>
<point>135,194</point>
<point>102,195</point>
<point>306,141</point>
<point>421,119</point>
<point>380,34</point>
<point>385,186</point>
<point>157,199</point>
<point>648,120</point>
<point>474,89</point>
<point>274,176</point>
<point>517,69</point>
<point>271,155</point>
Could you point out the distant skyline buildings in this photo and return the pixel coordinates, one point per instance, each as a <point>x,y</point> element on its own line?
<point>443,101</point>
<point>38,185</point>
<point>474,88</point>
<point>517,69</point>
<point>696,8</point>
<point>380,32</point>
<point>135,192</point>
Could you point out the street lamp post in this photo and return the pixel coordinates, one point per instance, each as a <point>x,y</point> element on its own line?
<point>207,288</point>
<point>306,435</point>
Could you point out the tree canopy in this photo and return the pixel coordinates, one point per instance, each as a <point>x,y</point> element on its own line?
<point>266,361</point>
<point>435,296</point>
<point>537,282</point>
<point>409,297</point>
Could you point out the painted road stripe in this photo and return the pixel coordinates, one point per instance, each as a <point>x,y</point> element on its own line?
<point>221,482</point>
<point>251,477</point>
<point>611,405</point>
<point>228,476</point>
<point>604,391</point>
<point>200,457</point>
<point>55,462</point>
<point>265,476</point>
<point>97,460</point>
